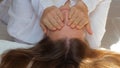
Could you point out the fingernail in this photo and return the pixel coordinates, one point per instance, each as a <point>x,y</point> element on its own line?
<point>59,27</point>
<point>62,24</point>
<point>54,28</point>
<point>78,27</point>
<point>91,33</point>
<point>73,26</point>
<point>68,24</point>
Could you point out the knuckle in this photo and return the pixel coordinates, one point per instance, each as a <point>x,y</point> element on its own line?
<point>54,23</point>
<point>56,17</point>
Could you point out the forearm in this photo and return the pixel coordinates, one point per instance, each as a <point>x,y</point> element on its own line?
<point>46,3</point>
<point>21,8</point>
<point>23,23</point>
<point>91,4</point>
<point>82,5</point>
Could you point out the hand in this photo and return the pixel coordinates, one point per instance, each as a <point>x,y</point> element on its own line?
<point>65,10</point>
<point>51,19</point>
<point>79,18</point>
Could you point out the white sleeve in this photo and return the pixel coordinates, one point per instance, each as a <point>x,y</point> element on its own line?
<point>91,4</point>
<point>98,22</point>
<point>9,45</point>
<point>46,3</point>
<point>23,23</point>
<point>4,6</point>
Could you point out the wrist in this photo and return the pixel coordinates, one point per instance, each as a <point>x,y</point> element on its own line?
<point>81,5</point>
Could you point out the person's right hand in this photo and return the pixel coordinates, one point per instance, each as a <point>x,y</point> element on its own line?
<point>52,19</point>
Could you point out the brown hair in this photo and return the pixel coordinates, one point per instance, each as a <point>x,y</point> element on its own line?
<point>65,53</point>
<point>1,1</point>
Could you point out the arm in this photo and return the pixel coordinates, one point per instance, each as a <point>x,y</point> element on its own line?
<point>26,27</point>
<point>46,3</point>
<point>23,23</point>
<point>98,22</point>
<point>91,4</point>
<point>21,9</point>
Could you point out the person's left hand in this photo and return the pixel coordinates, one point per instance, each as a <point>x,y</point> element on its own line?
<point>79,18</point>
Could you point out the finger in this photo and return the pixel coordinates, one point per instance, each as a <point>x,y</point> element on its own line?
<point>76,22</point>
<point>49,25</point>
<point>70,22</point>
<point>58,18</point>
<point>73,18</point>
<point>43,28</point>
<point>75,15</point>
<point>82,23</point>
<point>60,15</point>
<point>59,21</point>
<point>54,22</point>
<point>89,29</point>
<point>72,11</point>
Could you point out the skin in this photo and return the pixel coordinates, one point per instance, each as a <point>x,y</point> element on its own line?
<point>53,18</point>
<point>79,18</point>
<point>63,33</point>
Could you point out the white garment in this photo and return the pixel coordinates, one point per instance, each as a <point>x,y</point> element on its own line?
<point>5,46</point>
<point>25,14</point>
<point>9,45</point>
<point>4,6</point>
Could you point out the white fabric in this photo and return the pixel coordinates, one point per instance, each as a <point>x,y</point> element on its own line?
<point>8,45</point>
<point>4,6</point>
<point>98,22</point>
<point>25,14</point>
<point>115,47</point>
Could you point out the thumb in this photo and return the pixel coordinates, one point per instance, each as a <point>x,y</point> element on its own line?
<point>43,28</point>
<point>88,29</point>
<point>67,3</point>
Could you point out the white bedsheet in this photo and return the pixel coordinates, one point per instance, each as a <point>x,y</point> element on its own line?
<point>8,45</point>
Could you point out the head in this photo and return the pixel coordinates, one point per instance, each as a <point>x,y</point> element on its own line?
<point>59,52</point>
<point>58,49</point>
<point>65,48</point>
<point>63,53</point>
